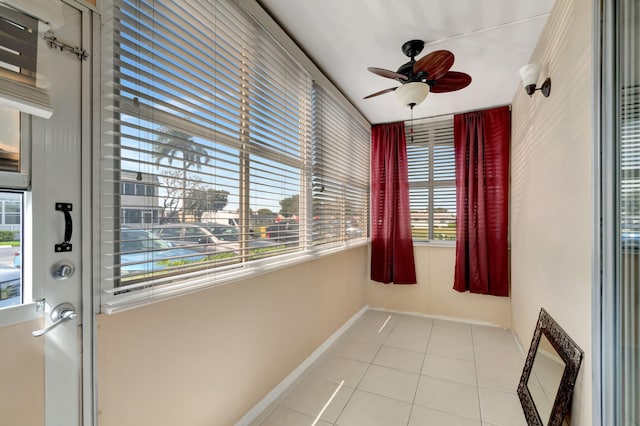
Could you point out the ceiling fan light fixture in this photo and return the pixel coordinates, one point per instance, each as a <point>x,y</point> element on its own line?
<point>412,94</point>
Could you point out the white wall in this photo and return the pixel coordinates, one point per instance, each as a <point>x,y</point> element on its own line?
<point>434,294</point>
<point>206,358</point>
<point>21,375</point>
<point>551,191</point>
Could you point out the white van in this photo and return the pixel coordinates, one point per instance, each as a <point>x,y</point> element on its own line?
<point>222,217</point>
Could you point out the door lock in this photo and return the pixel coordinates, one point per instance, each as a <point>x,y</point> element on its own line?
<point>62,270</point>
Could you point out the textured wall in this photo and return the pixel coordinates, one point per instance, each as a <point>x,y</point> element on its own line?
<point>207,358</point>
<point>552,194</point>
<point>434,293</point>
<point>21,375</point>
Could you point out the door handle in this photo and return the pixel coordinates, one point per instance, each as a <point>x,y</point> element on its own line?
<point>65,208</point>
<point>61,313</point>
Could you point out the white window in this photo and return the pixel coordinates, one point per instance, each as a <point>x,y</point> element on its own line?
<point>12,291</point>
<point>218,115</point>
<point>340,172</point>
<point>432,179</point>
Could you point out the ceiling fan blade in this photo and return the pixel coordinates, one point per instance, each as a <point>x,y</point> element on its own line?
<point>435,64</point>
<point>451,81</point>
<point>386,73</point>
<point>382,92</point>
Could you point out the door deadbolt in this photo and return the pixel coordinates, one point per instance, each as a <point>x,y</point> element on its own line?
<point>62,270</point>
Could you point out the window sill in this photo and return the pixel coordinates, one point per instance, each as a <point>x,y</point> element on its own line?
<point>112,303</point>
<point>444,244</point>
<point>20,313</point>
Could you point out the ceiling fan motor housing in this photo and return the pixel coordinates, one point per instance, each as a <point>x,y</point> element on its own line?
<point>412,48</point>
<point>407,69</point>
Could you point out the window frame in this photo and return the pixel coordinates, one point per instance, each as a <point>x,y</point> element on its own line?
<point>113,299</point>
<point>430,183</point>
<point>32,306</point>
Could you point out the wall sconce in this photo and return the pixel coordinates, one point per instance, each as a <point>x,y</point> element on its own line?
<point>529,74</point>
<point>411,94</point>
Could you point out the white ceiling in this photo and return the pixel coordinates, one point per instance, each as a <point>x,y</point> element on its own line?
<point>491,40</point>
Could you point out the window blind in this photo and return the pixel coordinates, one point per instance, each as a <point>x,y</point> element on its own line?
<point>432,184</point>
<point>19,79</point>
<point>207,113</point>
<point>340,172</point>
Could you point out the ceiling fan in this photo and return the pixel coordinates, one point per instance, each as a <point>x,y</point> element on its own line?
<point>428,74</point>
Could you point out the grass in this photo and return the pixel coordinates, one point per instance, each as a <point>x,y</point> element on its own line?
<point>439,234</point>
<point>10,243</point>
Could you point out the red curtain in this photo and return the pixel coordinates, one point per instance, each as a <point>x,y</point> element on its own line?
<point>482,191</point>
<point>391,242</point>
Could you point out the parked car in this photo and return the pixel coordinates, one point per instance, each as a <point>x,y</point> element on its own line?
<point>193,236</point>
<point>284,232</point>
<point>630,239</point>
<point>10,286</point>
<point>231,234</point>
<point>143,252</point>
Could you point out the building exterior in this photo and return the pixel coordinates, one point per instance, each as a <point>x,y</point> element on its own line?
<point>139,199</point>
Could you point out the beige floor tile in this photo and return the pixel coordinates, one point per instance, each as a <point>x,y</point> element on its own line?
<point>367,409</point>
<point>414,321</point>
<point>401,359</point>
<point>452,397</point>
<point>408,337</point>
<point>453,369</point>
<point>499,359</point>
<point>336,369</point>
<point>389,382</point>
<point>493,339</point>
<point>422,416</point>
<point>377,319</point>
<point>284,417</point>
<point>451,328</point>
<point>454,332</point>
<point>454,374</point>
<point>357,350</point>
<point>501,408</point>
<point>451,347</point>
<point>311,396</point>
<point>370,331</point>
<point>502,379</point>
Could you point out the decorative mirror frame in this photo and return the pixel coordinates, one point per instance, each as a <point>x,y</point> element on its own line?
<point>570,353</point>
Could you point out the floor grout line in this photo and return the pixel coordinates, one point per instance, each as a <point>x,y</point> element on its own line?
<point>475,366</point>
<point>424,357</point>
<point>328,402</point>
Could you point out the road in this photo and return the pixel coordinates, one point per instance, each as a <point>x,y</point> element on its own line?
<point>7,253</point>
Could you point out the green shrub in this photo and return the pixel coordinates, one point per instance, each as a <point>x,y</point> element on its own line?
<point>7,236</point>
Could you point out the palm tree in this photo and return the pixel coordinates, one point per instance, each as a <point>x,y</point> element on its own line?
<point>172,144</point>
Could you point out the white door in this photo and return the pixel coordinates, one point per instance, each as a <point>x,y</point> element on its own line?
<point>60,157</point>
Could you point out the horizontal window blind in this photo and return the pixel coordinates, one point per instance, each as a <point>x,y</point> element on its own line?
<point>630,165</point>
<point>20,82</point>
<point>206,113</point>
<point>340,172</point>
<point>432,184</point>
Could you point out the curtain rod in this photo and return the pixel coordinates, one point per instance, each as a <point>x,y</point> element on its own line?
<point>442,116</point>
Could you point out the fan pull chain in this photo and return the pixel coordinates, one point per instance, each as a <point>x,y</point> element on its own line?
<point>411,130</point>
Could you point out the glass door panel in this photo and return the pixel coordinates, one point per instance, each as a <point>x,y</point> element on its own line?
<point>628,202</point>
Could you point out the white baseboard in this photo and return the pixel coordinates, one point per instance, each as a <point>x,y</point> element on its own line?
<point>440,317</point>
<point>253,414</point>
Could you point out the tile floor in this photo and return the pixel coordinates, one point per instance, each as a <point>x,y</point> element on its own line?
<point>414,371</point>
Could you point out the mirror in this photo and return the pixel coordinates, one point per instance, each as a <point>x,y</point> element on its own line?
<point>549,374</point>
